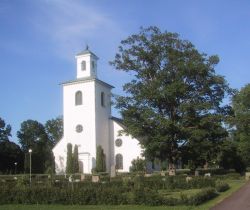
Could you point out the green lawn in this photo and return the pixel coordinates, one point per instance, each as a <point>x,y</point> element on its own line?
<point>234,185</point>
<point>177,193</point>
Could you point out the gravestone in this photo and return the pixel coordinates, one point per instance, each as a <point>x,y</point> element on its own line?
<point>171,172</point>
<point>196,173</point>
<point>113,172</point>
<point>188,178</point>
<point>247,176</point>
<point>95,178</point>
<point>82,177</point>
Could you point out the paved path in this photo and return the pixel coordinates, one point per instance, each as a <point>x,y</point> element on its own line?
<point>240,200</point>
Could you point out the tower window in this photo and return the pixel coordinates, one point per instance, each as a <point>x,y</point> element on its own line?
<point>119,161</point>
<point>102,99</point>
<point>83,65</point>
<point>78,98</point>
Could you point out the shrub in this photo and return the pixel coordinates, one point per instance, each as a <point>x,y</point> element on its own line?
<point>147,196</point>
<point>221,186</point>
<point>138,165</point>
<point>100,160</point>
<point>202,196</point>
<point>212,171</point>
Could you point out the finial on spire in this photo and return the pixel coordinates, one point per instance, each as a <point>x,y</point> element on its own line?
<point>87,47</point>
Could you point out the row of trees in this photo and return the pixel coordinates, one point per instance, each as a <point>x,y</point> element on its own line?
<point>175,105</point>
<point>175,102</point>
<point>32,135</point>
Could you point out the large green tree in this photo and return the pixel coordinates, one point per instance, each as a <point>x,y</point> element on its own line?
<point>5,130</point>
<point>174,99</point>
<point>241,122</point>
<point>32,135</point>
<point>11,157</point>
<point>10,153</point>
<point>54,129</point>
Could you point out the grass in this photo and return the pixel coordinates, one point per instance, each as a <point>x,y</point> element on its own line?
<point>177,193</point>
<point>234,185</point>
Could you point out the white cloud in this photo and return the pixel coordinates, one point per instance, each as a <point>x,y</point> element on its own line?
<point>72,24</point>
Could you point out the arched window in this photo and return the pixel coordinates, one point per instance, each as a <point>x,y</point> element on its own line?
<point>119,161</point>
<point>102,99</point>
<point>83,65</point>
<point>78,98</point>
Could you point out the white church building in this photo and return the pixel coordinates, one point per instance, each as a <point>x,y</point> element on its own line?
<point>88,122</point>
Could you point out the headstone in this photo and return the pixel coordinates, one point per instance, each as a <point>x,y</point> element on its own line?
<point>82,177</point>
<point>207,174</point>
<point>196,173</point>
<point>171,172</point>
<point>247,176</point>
<point>70,178</point>
<point>113,172</point>
<point>95,178</point>
<point>188,178</point>
<point>148,175</point>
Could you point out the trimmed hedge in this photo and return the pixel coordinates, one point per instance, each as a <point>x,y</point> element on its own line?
<point>123,190</point>
<point>221,186</point>
<point>202,196</point>
<point>97,195</point>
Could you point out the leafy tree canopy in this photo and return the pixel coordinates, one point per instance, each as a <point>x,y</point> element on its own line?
<point>54,129</point>
<point>241,107</point>
<point>174,99</point>
<point>241,122</point>
<point>5,131</point>
<point>32,135</point>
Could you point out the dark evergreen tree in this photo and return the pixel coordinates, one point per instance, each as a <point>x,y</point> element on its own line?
<point>100,160</point>
<point>69,163</point>
<point>75,160</point>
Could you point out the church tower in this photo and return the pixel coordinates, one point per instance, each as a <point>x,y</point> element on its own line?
<point>86,112</point>
<point>87,122</point>
<point>86,64</point>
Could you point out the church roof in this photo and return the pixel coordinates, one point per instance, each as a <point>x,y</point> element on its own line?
<point>118,121</point>
<point>86,79</point>
<point>87,51</point>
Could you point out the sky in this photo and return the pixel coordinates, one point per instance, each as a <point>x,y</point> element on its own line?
<point>40,38</point>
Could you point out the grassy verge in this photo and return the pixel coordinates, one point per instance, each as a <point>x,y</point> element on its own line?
<point>234,185</point>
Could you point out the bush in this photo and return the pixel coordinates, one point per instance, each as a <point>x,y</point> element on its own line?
<point>221,186</point>
<point>120,190</point>
<point>202,196</point>
<point>147,197</point>
<point>231,175</point>
<point>212,171</point>
<point>138,165</point>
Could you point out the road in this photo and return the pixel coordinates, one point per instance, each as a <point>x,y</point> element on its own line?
<point>240,200</point>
